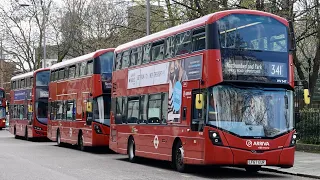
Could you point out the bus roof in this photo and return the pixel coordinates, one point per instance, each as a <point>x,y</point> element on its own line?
<point>28,74</point>
<point>20,76</point>
<point>81,58</point>
<point>210,18</point>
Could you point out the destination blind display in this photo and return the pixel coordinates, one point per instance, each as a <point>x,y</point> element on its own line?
<point>253,70</point>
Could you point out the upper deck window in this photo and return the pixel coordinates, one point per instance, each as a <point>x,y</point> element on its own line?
<point>136,56</point>
<point>72,71</point>
<point>253,32</point>
<point>146,53</point>
<point>1,94</point>
<point>106,62</point>
<point>169,46</point>
<point>22,83</point>
<point>31,81</point>
<point>118,61</point>
<point>83,68</point>
<point>126,59</point>
<point>199,39</point>
<point>42,78</point>
<point>157,50</point>
<point>183,43</point>
<point>90,68</point>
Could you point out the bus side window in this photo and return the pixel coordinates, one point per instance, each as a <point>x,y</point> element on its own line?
<point>146,53</point>
<point>31,81</point>
<point>118,113</point>
<point>124,109</point>
<point>199,111</point>
<point>169,47</point>
<point>118,61</point>
<point>140,55</point>
<point>199,39</point>
<point>78,70</point>
<point>183,43</point>
<point>126,59</point>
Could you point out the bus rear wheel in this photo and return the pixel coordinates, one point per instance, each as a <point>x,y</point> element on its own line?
<point>178,156</point>
<point>80,142</point>
<point>26,137</point>
<point>15,132</point>
<point>132,150</point>
<point>59,139</point>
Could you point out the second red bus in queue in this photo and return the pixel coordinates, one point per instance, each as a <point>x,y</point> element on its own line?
<point>80,100</point>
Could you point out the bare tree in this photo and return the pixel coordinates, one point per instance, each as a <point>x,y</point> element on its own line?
<point>24,27</point>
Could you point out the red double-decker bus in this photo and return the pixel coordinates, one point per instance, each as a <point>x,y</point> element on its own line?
<point>29,104</point>
<point>216,90</point>
<point>3,104</point>
<point>80,100</point>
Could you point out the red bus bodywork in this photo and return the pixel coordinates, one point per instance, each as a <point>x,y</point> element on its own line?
<point>79,89</point>
<point>159,141</point>
<point>3,108</point>
<point>29,104</point>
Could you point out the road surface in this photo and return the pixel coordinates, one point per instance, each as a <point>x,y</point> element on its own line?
<point>25,160</point>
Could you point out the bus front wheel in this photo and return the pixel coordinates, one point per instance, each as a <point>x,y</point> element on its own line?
<point>132,150</point>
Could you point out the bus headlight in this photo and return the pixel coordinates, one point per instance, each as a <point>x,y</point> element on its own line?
<point>4,121</point>
<point>293,140</point>
<point>97,129</point>
<point>215,138</point>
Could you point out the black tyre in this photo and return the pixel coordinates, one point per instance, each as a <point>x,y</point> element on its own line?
<point>26,137</point>
<point>59,138</point>
<point>15,132</point>
<point>132,151</point>
<point>178,156</point>
<point>80,143</point>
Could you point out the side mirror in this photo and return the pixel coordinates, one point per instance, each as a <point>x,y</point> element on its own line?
<point>89,106</point>
<point>306,96</point>
<point>199,101</point>
<point>29,108</point>
<point>293,45</point>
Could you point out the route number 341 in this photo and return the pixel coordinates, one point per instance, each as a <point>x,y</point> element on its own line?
<point>276,69</point>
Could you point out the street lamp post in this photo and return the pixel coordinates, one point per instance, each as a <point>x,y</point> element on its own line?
<point>44,31</point>
<point>148,17</point>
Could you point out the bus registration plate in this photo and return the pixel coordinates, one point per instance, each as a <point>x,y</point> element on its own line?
<point>257,162</point>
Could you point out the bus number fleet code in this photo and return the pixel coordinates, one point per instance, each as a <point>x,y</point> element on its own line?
<point>172,73</point>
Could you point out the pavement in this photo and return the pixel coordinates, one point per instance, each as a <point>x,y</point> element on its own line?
<point>26,160</point>
<point>305,164</point>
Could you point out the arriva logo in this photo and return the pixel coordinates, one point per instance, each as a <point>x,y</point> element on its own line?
<point>249,143</point>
